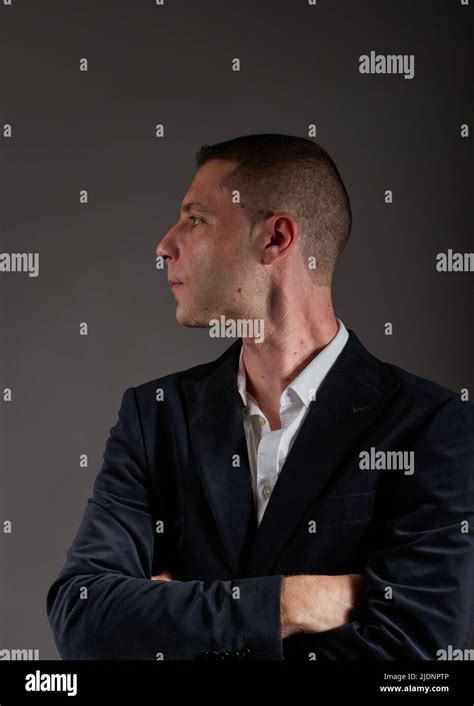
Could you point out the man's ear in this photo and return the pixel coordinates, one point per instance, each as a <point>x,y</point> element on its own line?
<point>279,235</point>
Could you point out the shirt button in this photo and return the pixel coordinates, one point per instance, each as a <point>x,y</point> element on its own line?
<point>267,490</point>
<point>261,421</point>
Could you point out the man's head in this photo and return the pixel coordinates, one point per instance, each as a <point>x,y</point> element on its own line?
<point>278,215</point>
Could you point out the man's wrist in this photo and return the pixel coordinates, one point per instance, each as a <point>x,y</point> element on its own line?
<point>290,618</point>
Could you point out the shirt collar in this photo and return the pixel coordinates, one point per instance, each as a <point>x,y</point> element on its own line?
<point>306,384</point>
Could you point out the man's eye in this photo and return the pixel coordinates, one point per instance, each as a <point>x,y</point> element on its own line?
<point>195,224</point>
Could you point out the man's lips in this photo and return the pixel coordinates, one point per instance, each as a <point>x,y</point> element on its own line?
<point>173,283</point>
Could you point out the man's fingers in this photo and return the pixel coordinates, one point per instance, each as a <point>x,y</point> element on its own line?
<point>165,576</point>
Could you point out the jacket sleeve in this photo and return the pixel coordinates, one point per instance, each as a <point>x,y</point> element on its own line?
<point>103,604</point>
<point>418,599</point>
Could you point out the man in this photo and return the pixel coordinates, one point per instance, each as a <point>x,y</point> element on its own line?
<point>297,498</point>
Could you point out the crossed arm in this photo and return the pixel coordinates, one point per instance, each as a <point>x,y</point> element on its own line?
<point>103,604</point>
<point>311,603</point>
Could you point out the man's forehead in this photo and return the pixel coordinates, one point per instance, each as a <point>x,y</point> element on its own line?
<point>206,207</point>
<point>207,191</point>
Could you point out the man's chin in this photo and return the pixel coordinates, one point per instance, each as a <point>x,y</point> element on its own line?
<point>191,320</point>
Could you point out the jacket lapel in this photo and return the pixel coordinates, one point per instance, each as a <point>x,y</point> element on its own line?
<point>218,440</point>
<point>350,398</point>
<point>348,401</point>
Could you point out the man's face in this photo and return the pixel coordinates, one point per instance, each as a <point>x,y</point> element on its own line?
<point>210,252</point>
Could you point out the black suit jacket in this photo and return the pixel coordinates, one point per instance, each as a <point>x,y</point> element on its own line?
<point>174,492</point>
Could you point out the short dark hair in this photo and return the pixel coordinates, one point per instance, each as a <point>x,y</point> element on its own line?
<point>285,172</point>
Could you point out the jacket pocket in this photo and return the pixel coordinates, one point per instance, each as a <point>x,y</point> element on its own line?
<point>344,508</point>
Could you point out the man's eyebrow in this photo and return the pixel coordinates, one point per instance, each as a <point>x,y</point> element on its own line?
<point>194,205</point>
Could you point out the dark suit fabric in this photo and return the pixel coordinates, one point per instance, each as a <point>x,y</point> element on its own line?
<point>182,461</point>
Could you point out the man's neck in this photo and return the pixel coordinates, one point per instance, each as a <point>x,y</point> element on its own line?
<point>273,364</point>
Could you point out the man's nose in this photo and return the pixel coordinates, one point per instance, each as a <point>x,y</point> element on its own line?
<point>166,247</point>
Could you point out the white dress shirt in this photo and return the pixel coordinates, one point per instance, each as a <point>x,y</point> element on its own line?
<point>267,449</point>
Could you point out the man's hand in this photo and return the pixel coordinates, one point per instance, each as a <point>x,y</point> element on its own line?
<point>311,603</point>
<point>165,576</point>
<point>314,603</point>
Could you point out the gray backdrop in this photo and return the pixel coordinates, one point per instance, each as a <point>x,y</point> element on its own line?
<point>95,130</point>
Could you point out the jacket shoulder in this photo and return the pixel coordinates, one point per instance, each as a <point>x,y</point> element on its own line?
<point>172,381</point>
<point>423,390</point>
<point>413,392</point>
